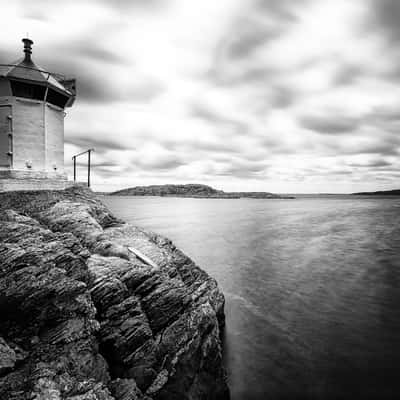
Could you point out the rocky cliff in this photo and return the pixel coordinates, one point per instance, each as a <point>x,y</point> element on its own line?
<point>92,308</point>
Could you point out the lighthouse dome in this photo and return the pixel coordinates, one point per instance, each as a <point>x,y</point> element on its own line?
<point>31,81</point>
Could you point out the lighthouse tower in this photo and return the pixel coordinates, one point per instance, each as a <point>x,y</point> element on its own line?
<point>32,112</point>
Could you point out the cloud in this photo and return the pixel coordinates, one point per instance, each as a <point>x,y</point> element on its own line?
<point>118,5</point>
<point>243,169</point>
<point>154,157</point>
<point>145,91</point>
<point>283,97</point>
<point>249,75</point>
<point>237,167</point>
<point>169,163</point>
<point>100,143</point>
<point>385,113</point>
<point>205,147</point>
<point>35,15</point>
<point>330,124</point>
<point>123,5</point>
<point>252,36</point>
<point>91,48</point>
<point>103,164</point>
<point>384,17</point>
<point>7,57</point>
<point>371,164</point>
<point>198,110</point>
<point>348,74</point>
<point>386,119</point>
<point>258,25</point>
<point>386,148</point>
<point>283,10</point>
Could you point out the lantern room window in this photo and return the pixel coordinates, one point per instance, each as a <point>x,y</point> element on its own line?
<point>57,99</point>
<point>28,90</point>
<point>38,92</point>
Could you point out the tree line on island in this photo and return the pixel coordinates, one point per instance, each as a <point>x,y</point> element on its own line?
<point>201,191</point>
<point>193,190</point>
<point>395,192</point>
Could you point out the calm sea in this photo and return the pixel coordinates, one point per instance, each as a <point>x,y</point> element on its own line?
<point>312,288</point>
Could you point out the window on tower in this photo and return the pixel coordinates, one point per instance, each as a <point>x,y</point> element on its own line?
<point>28,90</point>
<point>38,92</point>
<point>56,98</point>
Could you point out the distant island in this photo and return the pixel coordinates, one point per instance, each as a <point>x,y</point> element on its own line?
<point>193,190</point>
<point>395,192</point>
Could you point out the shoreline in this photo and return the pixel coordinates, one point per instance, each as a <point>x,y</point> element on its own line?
<point>200,197</point>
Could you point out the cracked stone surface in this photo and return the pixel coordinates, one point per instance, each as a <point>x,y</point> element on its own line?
<point>83,318</point>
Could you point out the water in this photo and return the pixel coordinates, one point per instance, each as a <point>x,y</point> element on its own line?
<point>312,288</point>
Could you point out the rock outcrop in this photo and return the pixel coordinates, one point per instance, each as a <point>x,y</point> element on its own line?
<point>85,314</point>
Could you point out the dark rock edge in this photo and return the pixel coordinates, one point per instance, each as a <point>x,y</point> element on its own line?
<point>83,318</point>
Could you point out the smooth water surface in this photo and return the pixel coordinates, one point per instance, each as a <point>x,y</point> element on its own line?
<point>312,288</point>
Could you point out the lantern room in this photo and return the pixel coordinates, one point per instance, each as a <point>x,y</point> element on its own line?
<point>32,112</point>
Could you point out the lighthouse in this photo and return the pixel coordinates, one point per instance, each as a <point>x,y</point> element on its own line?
<point>32,112</point>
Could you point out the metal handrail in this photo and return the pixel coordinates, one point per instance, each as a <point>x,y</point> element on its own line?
<point>89,151</point>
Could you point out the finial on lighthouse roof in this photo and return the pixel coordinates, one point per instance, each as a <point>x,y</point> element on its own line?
<point>27,49</point>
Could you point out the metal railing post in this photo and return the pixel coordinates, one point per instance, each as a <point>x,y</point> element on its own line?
<point>88,171</point>
<point>89,164</point>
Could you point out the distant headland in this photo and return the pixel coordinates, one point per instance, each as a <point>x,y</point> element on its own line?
<point>395,192</point>
<point>193,190</point>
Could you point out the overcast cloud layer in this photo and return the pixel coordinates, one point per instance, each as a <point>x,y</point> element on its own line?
<point>284,96</point>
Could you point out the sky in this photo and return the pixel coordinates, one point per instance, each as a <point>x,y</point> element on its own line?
<point>287,96</point>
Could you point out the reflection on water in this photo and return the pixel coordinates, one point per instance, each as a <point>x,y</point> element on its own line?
<point>312,288</point>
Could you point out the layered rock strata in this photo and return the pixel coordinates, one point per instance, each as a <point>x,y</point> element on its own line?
<point>83,317</point>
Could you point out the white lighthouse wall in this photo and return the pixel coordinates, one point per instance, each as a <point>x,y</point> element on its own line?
<point>5,88</point>
<point>28,135</point>
<point>30,140</point>
<point>54,122</point>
